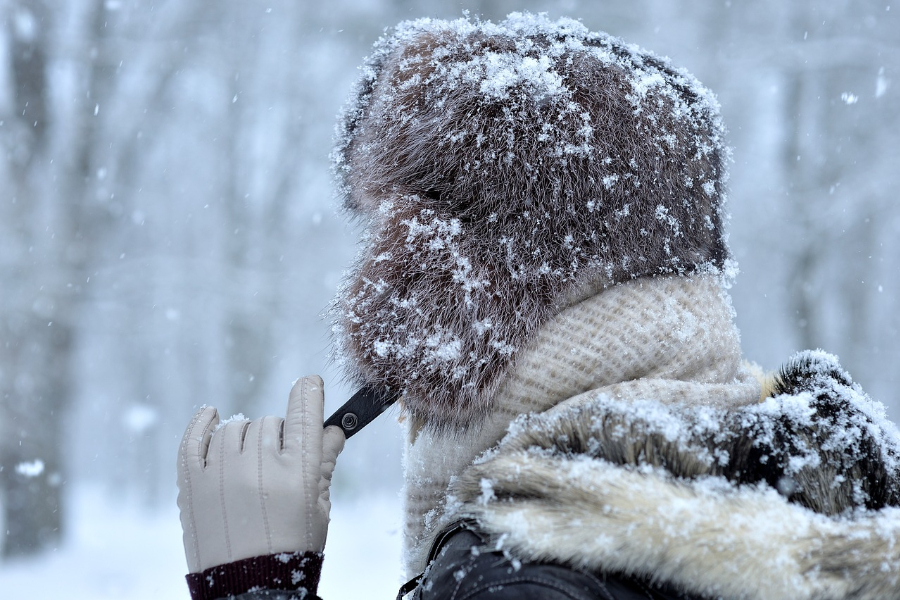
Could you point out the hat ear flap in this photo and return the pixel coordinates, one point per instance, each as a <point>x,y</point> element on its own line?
<point>347,134</point>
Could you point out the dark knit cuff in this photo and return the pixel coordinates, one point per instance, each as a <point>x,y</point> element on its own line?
<point>285,571</point>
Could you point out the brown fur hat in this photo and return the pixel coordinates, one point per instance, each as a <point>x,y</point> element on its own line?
<point>502,169</point>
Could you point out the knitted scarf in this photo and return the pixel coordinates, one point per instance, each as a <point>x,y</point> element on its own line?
<point>669,339</point>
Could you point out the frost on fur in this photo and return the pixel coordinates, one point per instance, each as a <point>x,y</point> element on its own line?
<point>824,444</point>
<point>498,168</point>
<point>792,498</point>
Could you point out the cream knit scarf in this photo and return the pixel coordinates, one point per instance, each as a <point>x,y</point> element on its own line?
<point>669,339</point>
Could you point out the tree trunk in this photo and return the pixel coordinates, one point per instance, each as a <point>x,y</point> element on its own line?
<point>32,475</point>
<point>35,319</point>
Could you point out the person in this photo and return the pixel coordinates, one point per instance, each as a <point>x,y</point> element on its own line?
<point>544,283</point>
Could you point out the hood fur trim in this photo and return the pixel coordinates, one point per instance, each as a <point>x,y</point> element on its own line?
<point>502,168</point>
<point>704,536</point>
<point>729,504</point>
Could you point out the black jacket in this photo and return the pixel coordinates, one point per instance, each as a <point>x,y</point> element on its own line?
<point>465,565</point>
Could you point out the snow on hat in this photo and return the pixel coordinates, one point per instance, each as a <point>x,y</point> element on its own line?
<point>500,169</point>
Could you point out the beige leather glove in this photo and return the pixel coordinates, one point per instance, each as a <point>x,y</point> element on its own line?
<point>250,488</point>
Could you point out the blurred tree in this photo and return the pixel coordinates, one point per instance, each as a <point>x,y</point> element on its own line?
<point>69,152</point>
<point>836,133</point>
<point>36,314</point>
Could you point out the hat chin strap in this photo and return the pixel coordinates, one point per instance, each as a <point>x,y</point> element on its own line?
<point>362,408</point>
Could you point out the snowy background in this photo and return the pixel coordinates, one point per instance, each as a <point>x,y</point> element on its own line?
<point>168,238</point>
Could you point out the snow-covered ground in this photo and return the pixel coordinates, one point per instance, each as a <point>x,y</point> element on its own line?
<point>126,552</point>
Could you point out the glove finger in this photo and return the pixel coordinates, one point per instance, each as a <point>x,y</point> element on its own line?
<point>248,447</point>
<point>303,423</point>
<point>263,437</point>
<point>332,443</point>
<point>195,442</point>
<point>191,462</point>
<point>226,442</point>
<point>303,439</point>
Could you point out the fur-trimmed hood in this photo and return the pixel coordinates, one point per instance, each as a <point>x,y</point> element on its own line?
<point>503,171</point>
<point>793,498</point>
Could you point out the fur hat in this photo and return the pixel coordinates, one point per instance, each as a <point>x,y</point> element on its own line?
<point>502,171</point>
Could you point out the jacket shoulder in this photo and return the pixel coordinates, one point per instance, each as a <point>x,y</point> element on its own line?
<point>468,564</point>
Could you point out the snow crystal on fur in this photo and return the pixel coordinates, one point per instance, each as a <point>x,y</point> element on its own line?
<point>794,498</point>
<point>825,445</point>
<point>499,167</point>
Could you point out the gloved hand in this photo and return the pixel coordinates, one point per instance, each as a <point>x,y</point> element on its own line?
<point>251,488</point>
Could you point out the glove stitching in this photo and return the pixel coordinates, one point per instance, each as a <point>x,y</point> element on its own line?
<point>201,459</point>
<point>303,464</point>
<point>259,484</point>
<point>222,493</point>
<point>190,493</point>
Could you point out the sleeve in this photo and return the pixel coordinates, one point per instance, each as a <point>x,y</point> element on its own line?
<point>282,576</point>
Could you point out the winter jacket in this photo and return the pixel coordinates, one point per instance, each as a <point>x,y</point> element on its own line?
<point>794,497</point>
